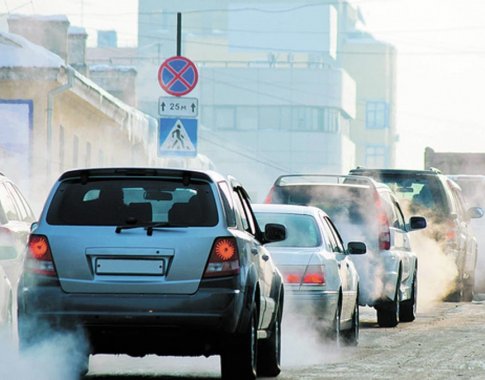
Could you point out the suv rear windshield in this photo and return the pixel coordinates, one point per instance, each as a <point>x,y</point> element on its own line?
<point>116,201</point>
<point>416,192</point>
<point>338,201</point>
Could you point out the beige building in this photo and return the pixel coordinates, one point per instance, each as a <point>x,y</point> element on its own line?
<point>372,64</point>
<point>55,119</point>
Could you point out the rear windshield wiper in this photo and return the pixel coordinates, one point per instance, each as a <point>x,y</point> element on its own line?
<point>147,226</point>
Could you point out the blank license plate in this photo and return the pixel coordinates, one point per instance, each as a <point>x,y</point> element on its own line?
<point>130,266</point>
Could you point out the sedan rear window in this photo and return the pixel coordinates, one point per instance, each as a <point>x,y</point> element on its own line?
<point>107,202</point>
<point>301,230</point>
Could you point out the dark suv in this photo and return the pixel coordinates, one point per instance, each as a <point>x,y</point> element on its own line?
<point>432,194</point>
<point>155,261</point>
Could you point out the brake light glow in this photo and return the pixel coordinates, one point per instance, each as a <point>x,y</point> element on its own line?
<point>39,259</point>
<point>314,275</point>
<point>451,232</point>
<point>293,278</point>
<point>383,223</point>
<point>224,258</point>
<point>39,247</point>
<point>269,197</point>
<point>301,275</point>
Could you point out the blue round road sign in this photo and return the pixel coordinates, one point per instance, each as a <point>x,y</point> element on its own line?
<point>178,75</point>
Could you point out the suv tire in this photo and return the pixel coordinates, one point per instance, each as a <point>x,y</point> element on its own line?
<point>239,360</point>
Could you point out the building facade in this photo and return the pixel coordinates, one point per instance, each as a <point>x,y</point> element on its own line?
<point>270,85</point>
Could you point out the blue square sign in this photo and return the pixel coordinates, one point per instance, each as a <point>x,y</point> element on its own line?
<point>178,137</point>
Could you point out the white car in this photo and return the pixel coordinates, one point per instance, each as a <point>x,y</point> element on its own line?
<point>318,275</point>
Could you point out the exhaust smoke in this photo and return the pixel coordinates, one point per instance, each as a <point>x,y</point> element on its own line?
<point>58,357</point>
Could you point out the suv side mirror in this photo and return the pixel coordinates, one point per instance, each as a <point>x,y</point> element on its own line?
<point>274,232</point>
<point>474,212</point>
<point>417,223</point>
<point>356,248</point>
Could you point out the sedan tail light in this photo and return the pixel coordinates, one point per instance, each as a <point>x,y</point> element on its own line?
<point>39,257</point>
<point>314,275</point>
<point>301,275</point>
<point>224,258</point>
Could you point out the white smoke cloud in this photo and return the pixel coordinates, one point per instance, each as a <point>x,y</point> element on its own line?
<point>55,358</point>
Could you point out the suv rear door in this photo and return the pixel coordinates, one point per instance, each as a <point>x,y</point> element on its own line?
<point>95,251</point>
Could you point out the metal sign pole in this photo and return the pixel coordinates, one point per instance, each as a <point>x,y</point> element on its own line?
<point>179,34</point>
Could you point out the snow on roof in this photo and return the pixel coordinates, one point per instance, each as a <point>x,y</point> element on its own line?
<point>76,30</point>
<point>58,18</point>
<point>19,52</point>
<point>107,67</point>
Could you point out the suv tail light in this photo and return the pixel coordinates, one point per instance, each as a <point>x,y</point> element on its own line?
<point>384,237</point>
<point>451,232</point>
<point>269,197</point>
<point>224,258</point>
<point>39,257</point>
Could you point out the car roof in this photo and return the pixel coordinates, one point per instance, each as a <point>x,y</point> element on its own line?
<point>287,209</point>
<point>361,171</point>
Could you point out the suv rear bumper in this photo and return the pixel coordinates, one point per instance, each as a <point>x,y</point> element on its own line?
<point>136,324</point>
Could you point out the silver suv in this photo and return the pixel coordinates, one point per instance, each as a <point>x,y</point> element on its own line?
<point>155,261</point>
<point>364,210</point>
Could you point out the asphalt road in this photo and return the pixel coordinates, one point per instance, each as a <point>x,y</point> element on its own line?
<point>446,341</point>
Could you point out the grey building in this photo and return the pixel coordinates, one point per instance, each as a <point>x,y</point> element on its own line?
<point>273,96</point>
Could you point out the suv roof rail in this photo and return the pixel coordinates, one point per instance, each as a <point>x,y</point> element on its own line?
<point>434,170</point>
<point>295,179</point>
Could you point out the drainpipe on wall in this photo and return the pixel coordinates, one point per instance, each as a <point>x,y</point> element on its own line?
<point>50,110</point>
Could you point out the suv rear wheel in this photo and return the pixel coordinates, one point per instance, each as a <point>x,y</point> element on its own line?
<point>388,312</point>
<point>269,350</point>
<point>407,309</point>
<point>239,360</point>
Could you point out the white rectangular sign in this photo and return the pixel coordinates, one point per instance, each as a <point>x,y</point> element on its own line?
<point>174,106</point>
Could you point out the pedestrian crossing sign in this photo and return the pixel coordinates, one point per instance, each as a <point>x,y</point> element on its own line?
<point>178,137</point>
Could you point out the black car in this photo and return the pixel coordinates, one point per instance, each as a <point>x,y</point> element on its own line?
<point>155,261</point>
<point>439,199</point>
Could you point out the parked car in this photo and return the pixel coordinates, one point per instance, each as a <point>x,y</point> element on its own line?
<point>155,261</point>
<point>320,279</point>
<point>437,197</point>
<point>365,210</point>
<point>16,218</point>
<point>473,190</point>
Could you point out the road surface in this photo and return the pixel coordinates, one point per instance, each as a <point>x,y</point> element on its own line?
<point>447,341</point>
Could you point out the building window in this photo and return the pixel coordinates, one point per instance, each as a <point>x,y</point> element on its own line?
<point>225,117</point>
<point>376,115</point>
<point>269,118</point>
<point>247,118</point>
<point>330,120</point>
<point>376,156</point>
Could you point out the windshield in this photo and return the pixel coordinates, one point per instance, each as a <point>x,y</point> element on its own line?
<point>128,201</point>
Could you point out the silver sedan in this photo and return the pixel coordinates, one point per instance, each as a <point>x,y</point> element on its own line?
<point>319,277</point>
